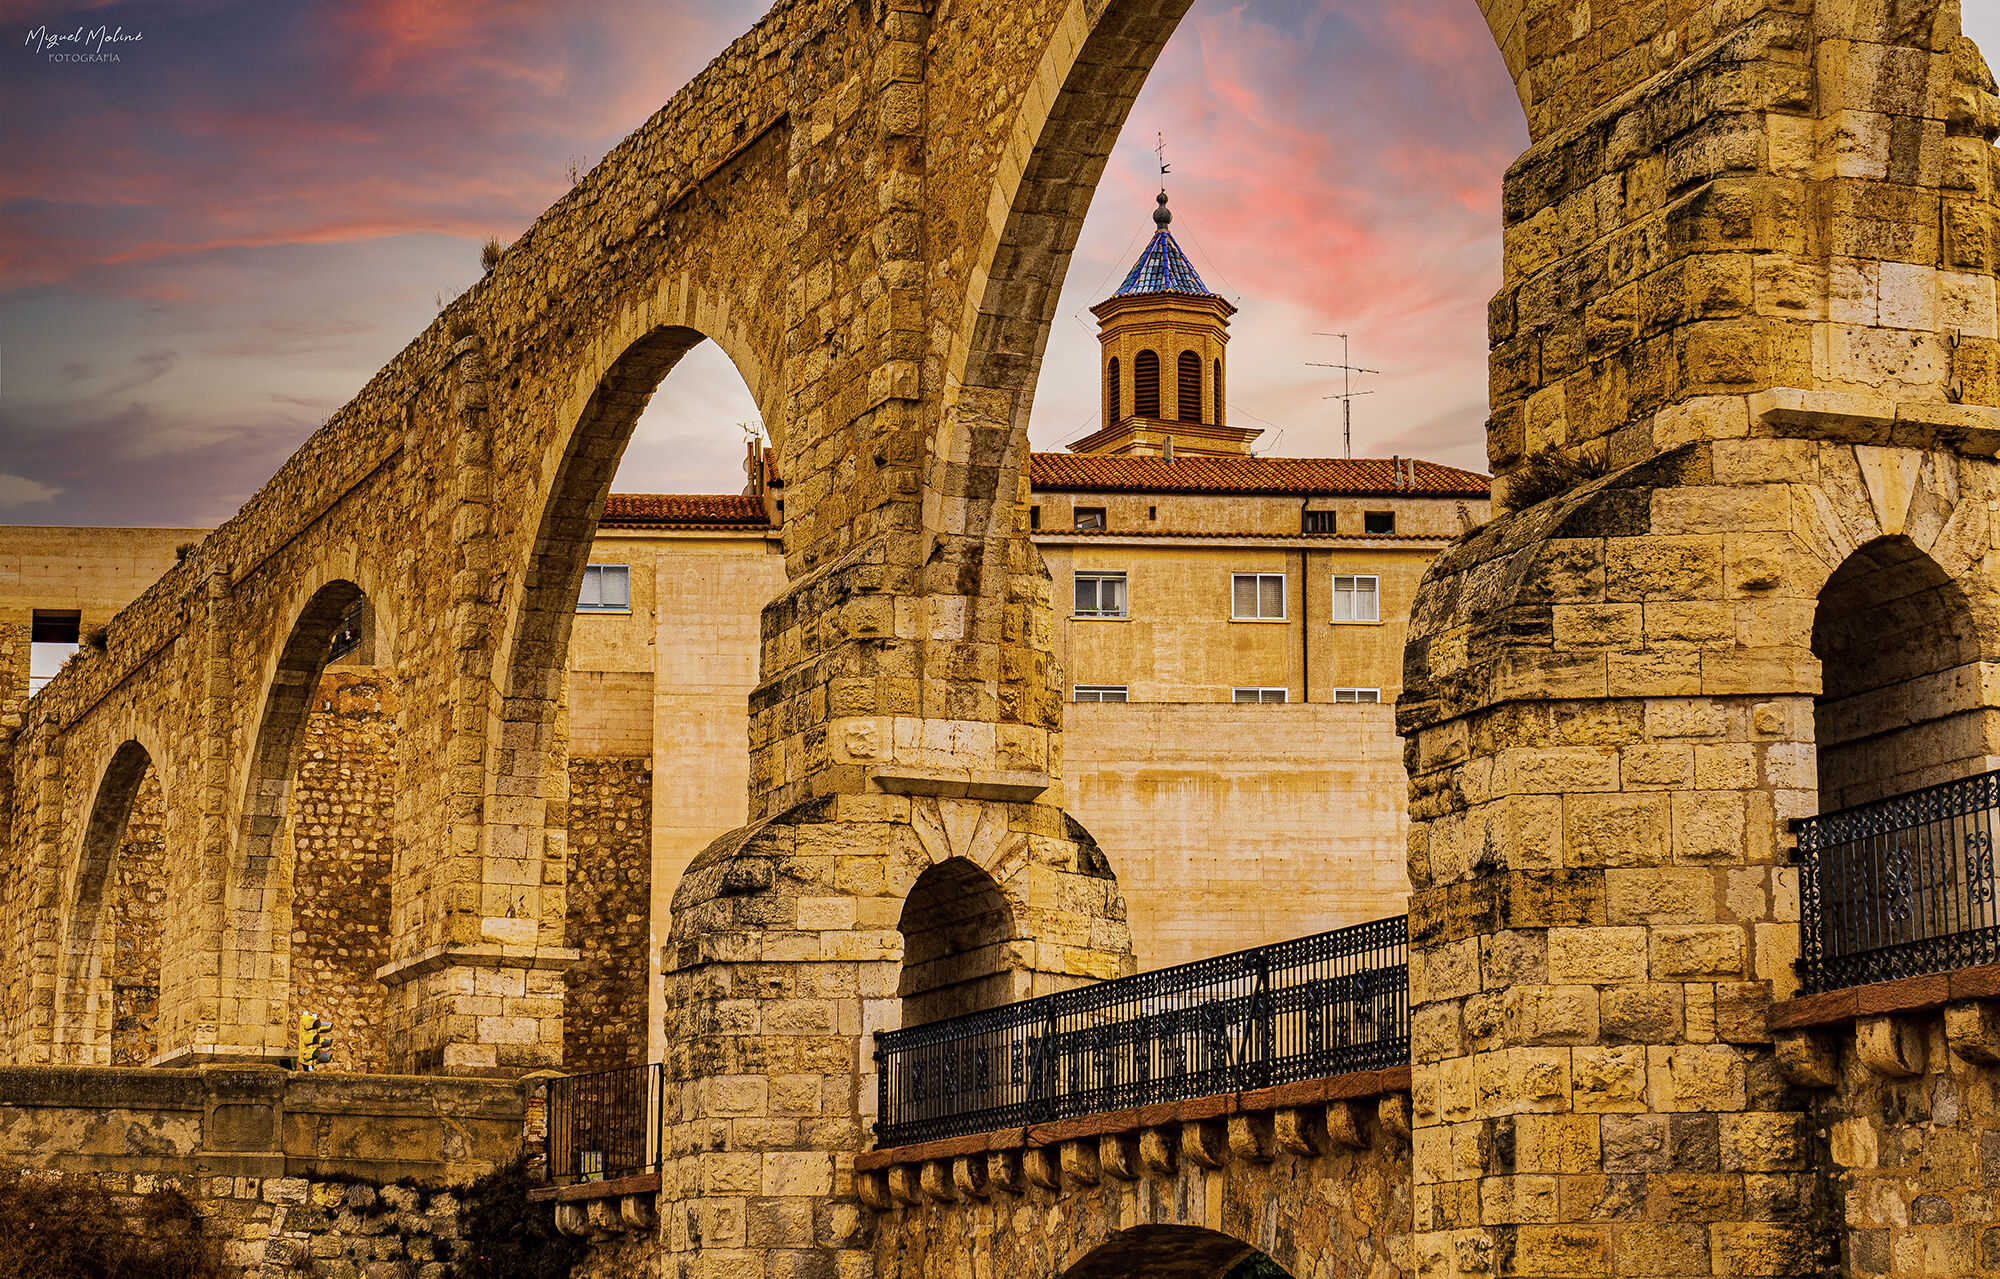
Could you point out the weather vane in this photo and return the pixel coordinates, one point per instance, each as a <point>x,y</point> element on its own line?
<point>1161,151</point>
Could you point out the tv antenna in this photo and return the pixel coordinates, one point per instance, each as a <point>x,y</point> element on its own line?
<point>1347,392</point>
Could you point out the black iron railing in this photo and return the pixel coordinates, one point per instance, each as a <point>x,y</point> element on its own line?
<point>1899,887</point>
<point>1320,1005</point>
<point>604,1125</point>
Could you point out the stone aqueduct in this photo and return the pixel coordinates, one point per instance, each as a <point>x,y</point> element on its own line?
<point>1750,281</point>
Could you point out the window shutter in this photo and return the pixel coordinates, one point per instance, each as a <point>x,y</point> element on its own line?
<point>1146,384</point>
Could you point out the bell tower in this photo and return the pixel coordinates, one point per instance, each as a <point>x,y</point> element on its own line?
<point>1163,369</point>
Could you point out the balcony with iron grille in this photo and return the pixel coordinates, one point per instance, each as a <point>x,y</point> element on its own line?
<point>1899,888</point>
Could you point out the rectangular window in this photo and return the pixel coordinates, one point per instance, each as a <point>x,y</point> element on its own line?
<point>1090,517</point>
<point>1268,696</point>
<point>1100,595</point>
<point>1378,523</point>
<point>1101,693</point>
<point>1034,517</point>
<point>1257,597</point>
<point>53,634</point>
<point>347,635</point>
<point>607,588</point>
<point>1319,522</point>
<point>1357,599</point>
<point>1357,694</point>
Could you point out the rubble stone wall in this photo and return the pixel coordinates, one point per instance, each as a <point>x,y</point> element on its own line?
<point>343,858</point>
<point>293,1174</point>
<point>610,913</point>
<point>1905,1125</point>
<point>138,905</point>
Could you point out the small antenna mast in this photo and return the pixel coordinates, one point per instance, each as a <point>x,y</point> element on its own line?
<point>1347,391</point>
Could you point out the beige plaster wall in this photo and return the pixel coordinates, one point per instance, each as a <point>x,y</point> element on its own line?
<point>1234,826</point>
<point>1179,642</point>
<point>1264,515</point>
<point>672,679</point>
<point>95,570</point>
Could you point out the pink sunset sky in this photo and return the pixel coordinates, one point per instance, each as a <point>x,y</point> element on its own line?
<point>209,245</point>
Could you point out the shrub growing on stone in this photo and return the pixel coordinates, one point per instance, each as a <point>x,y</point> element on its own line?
<point>505,1236</point>
<point>71,1226</point>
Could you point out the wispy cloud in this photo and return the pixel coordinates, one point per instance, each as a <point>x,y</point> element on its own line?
<point>208,247</point>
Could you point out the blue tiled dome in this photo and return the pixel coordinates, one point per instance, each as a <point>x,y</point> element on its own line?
<point>1163,268</point>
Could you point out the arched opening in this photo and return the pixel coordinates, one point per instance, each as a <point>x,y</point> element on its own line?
<point>1187,388</point>
<point>311,892</point>
<point>110,992</point>
<point>629,675</point>
<point>958,956</point>
<point>1111,392</point>
<point>1899,706</point>
<point>1174,1252</point>
<point>1146,384</point>
<point>1215,386</point>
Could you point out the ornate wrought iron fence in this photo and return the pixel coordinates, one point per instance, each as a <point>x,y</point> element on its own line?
<point>604,1125</point>
<point>1899,887</point>
<point>1321,1005</point>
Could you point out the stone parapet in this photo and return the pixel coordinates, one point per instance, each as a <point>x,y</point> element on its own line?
<point>257,1122</point>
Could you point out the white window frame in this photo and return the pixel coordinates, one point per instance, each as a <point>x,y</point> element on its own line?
<point>1124,608</point>
<point>1263,696</point>
<point>46,657</point>
<point>1284,603</point>
<point>1357,695</point>
<point>1354,595</point>
<point>594,576</point>
<point>1101,693</point>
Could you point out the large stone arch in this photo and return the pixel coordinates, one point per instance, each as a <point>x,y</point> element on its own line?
<point>528,769</point>
<point>255,948</point>
<point>83,1020</point>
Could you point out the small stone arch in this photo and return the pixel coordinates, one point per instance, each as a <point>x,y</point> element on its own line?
<point>959,944</point>
<point>95,965</point>
<point>1900,705</point>
<point>1174,1252</point>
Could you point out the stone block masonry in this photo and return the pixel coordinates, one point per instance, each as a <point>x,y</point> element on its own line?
<point>1749,271</point>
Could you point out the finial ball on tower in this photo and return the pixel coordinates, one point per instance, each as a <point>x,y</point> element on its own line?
<point>1162,215</point>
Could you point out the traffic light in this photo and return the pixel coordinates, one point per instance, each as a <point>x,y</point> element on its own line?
<point>315,1041</point>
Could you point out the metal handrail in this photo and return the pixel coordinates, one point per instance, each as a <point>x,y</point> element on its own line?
<point>605,1124</point>
<point>1322,1005</point>
<point>1900,887</point>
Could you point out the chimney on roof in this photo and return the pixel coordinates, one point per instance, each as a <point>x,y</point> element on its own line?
<point>1167,450</point>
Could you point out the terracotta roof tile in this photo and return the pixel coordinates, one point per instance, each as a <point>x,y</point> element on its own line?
<point>1333,476</point>
<point>683,510</point>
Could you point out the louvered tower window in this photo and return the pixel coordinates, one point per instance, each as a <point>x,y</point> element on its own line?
<point>1111,392</point>
<point>1146,384</point>
<point>1218,419</point>
<point>1187,388</point>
